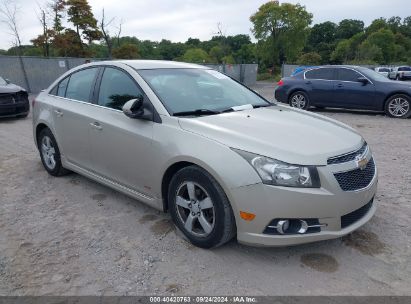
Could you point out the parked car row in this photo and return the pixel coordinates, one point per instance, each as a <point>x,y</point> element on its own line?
<point>400,73</point>
<point>349,87</point>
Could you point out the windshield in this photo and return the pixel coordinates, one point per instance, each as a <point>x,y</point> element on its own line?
<point>2,81</point>
<point>404,69</point>
<point>184,90</point>
<point>373,75</point>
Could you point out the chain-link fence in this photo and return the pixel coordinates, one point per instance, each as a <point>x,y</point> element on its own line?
<point>37,73</point>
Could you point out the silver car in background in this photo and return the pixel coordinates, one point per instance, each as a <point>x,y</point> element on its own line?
<point>221,159</point>
<point>383,70</point>
<point>400,73</point>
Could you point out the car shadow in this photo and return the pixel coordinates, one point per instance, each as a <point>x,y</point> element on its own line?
<point>346,111</point>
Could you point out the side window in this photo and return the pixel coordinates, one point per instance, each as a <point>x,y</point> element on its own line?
<point>323,74</point>
<point>80,84</point>
<point>62,86</point>
<point>116,89</point>
<point>348,75</point>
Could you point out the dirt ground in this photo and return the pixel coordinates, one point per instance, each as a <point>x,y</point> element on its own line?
<point>72,236</point>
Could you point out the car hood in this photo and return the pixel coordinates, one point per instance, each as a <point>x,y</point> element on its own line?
<point>10,88</point>
<point>280,132</point>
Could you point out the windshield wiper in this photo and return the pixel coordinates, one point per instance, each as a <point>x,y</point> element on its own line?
<point>197,112</point>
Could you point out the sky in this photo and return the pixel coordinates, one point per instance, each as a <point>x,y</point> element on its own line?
<point>177,20</point>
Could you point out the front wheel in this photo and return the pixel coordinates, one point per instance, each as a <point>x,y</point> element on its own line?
<point>200,208</point>
<point>398,106</point>
<point>299,100</point>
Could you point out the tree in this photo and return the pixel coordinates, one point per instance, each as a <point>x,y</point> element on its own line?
<point>105,32</point>
<point>348,28</point>
<point>385,40</point>
<point>195,56</point>
<point>322,33</point>
<point>169,50</point>
<point>217,54</point>
<point>341,52</point>
<point>57,7</point>
<point>283,30</point>
<point>369,53</point>
<point>312,58</point>
<point>80,14</point>
<point>126,51</point>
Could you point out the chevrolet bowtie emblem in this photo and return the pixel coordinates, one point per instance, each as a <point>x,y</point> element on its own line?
<point>361,161</point>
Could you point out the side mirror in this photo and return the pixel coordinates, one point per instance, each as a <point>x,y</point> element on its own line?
<point>138,108</point>
<point>363,80</point>
<point>7,81</point>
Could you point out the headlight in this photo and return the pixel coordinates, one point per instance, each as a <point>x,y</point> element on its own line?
<point>278,173</point>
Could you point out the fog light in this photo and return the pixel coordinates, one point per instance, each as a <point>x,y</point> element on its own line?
<point>282,226</point>
<point>303,227</point>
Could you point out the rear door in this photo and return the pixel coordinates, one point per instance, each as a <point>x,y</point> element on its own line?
<point>320,84</point>
<point>351,93</point>
<point>72,110</point>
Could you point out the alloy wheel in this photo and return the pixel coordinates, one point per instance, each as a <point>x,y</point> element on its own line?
<point>195,209</point>
<point>298,101</point>
<point>48,152</point>
<point>398,107</point>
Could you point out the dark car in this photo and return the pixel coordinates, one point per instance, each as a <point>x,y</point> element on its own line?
<point>14,101</point>
<point>348,87</point>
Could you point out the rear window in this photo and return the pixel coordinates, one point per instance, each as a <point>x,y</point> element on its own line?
<point>323,74</point>
<point>403,69</point>
<point>384,70</point>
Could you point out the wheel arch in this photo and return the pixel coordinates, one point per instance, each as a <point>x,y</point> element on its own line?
<point>292,91</point>
<point>393,94</point>
<point>40,127</point>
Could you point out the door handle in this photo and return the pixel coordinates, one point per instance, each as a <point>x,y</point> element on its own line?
<point>58,113</point>
<point>340,85</point>
<point>96,125</point>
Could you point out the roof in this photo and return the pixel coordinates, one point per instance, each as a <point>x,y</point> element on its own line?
<point>155,64</point>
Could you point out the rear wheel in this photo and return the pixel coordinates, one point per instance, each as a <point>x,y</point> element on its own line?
<point>50,153</point>
<point>398,106</point>
<point>299,100</point>
<point>200,208</point>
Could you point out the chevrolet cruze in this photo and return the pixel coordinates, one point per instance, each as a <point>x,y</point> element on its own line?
<point>221,159</point>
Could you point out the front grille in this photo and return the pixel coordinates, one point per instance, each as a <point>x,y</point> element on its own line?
<point>351,218</point>
<point>346,157</point>
<point>356,179</point>
<point>8,98</point>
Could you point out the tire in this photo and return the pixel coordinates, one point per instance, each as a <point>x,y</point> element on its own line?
<point>397,77</point>
<point>299,100</point>
<point>398,106</point>
<point>50,153</point>
<point>194,208</point>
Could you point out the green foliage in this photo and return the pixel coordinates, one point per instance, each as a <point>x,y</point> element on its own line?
<point>80,14</point>
<point>312,58</point>
<point>195,56</point>
<point>348,28</point>
<point>341,52</point>
<point>282,31</point>
<point>126,51</point>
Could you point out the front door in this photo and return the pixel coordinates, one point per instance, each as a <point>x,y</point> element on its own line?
<point>351,93</point>
<point>121,147</point>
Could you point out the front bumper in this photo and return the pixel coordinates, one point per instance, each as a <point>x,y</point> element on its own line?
<point>14,109</point>
<point>328,204</point>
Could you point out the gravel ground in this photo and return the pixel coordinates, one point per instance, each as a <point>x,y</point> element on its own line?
<point>72,236</point>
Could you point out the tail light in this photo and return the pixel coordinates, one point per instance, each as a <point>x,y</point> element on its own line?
<point>280,83</point>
